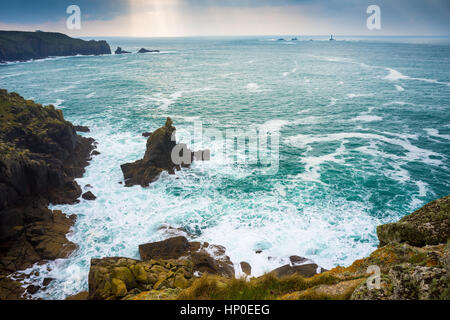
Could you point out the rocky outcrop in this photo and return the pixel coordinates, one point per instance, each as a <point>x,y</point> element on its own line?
<point>166,268</point>
<point>40,155</point>
<point>82,129</point>
<point>143,50</point>
<point>429,225</point>
<point>23,46</point>
<point>120,51</point>
<point>206,258</point>
<point>88,196</point>
<point>158,157</point>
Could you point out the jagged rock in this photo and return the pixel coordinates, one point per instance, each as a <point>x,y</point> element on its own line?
<point>295,260</point>
<point>40,155</point>
<point>143,50</point>
<point>82,129</point>
<point>246,268</point>
<point>205,257</point>
<point>95,153</point>
<point>427,226</point>
<point>158,157</point>
<point>89,196</point>
<point>306,270</point>
<point>147,134</point>
<point>120,51</point>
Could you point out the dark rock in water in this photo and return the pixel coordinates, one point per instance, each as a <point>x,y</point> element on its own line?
<point>47,281</point>
<point>89,196</point>
<point>95,153</point>
<point>82,129</point>
<point>430,225</point>
<point>143,50</point>
<point>246,268</point>
<point>23,46</point>
<point>32,289</point>
<point>205,257</point>
<point>281,39</point>
<point>38,163</point>
<point>299,265</point>
<point>297,260</point>
<point>147,134</point>
<point>161,148</point>
<point>120,51</point>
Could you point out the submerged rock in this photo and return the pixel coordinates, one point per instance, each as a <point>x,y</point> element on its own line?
<point>161,147</point>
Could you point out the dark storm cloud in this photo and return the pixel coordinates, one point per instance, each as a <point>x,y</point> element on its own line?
<point>41,11</point>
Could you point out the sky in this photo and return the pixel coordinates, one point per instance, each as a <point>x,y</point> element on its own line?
<point>172,18</point>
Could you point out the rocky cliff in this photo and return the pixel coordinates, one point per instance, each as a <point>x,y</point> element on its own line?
<point>40,155</point>
<point>23,46</point>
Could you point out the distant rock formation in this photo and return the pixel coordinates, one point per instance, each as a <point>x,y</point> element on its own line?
<point>120,51</point>
<point>40,155</point>
<point>143,50</point>
<point>158,157</point>
<point>23,46</point>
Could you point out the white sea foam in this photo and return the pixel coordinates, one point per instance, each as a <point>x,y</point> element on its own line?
<point>367,118</point>
<point>294,70</point>
<point>435,133</point>
<point>413,153</point>
<point>359,95</point>
<point>395,75</point>
<point>399,88</point>
<point>90,95</point>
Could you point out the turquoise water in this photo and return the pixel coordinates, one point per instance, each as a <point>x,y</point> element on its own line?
<point>364,140</point>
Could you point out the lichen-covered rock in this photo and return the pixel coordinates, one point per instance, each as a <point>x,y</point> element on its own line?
<point>429,225</point>
<point>205,257</point>
<point>123,278</point>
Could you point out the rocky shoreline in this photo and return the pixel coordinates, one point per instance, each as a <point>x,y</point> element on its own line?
<point>24,46</point>
<point>178,269</point>
<point>40,156</point>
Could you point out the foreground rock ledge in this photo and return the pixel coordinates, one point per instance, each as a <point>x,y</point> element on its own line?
<point>40,155</point>
<point>171,271</point>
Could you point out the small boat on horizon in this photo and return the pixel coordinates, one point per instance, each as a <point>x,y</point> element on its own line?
<point>332,39</point>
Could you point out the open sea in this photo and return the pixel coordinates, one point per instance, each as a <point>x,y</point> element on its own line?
<point>364,139</point>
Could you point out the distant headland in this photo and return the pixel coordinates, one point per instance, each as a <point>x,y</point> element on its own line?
<point>23,46</point>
